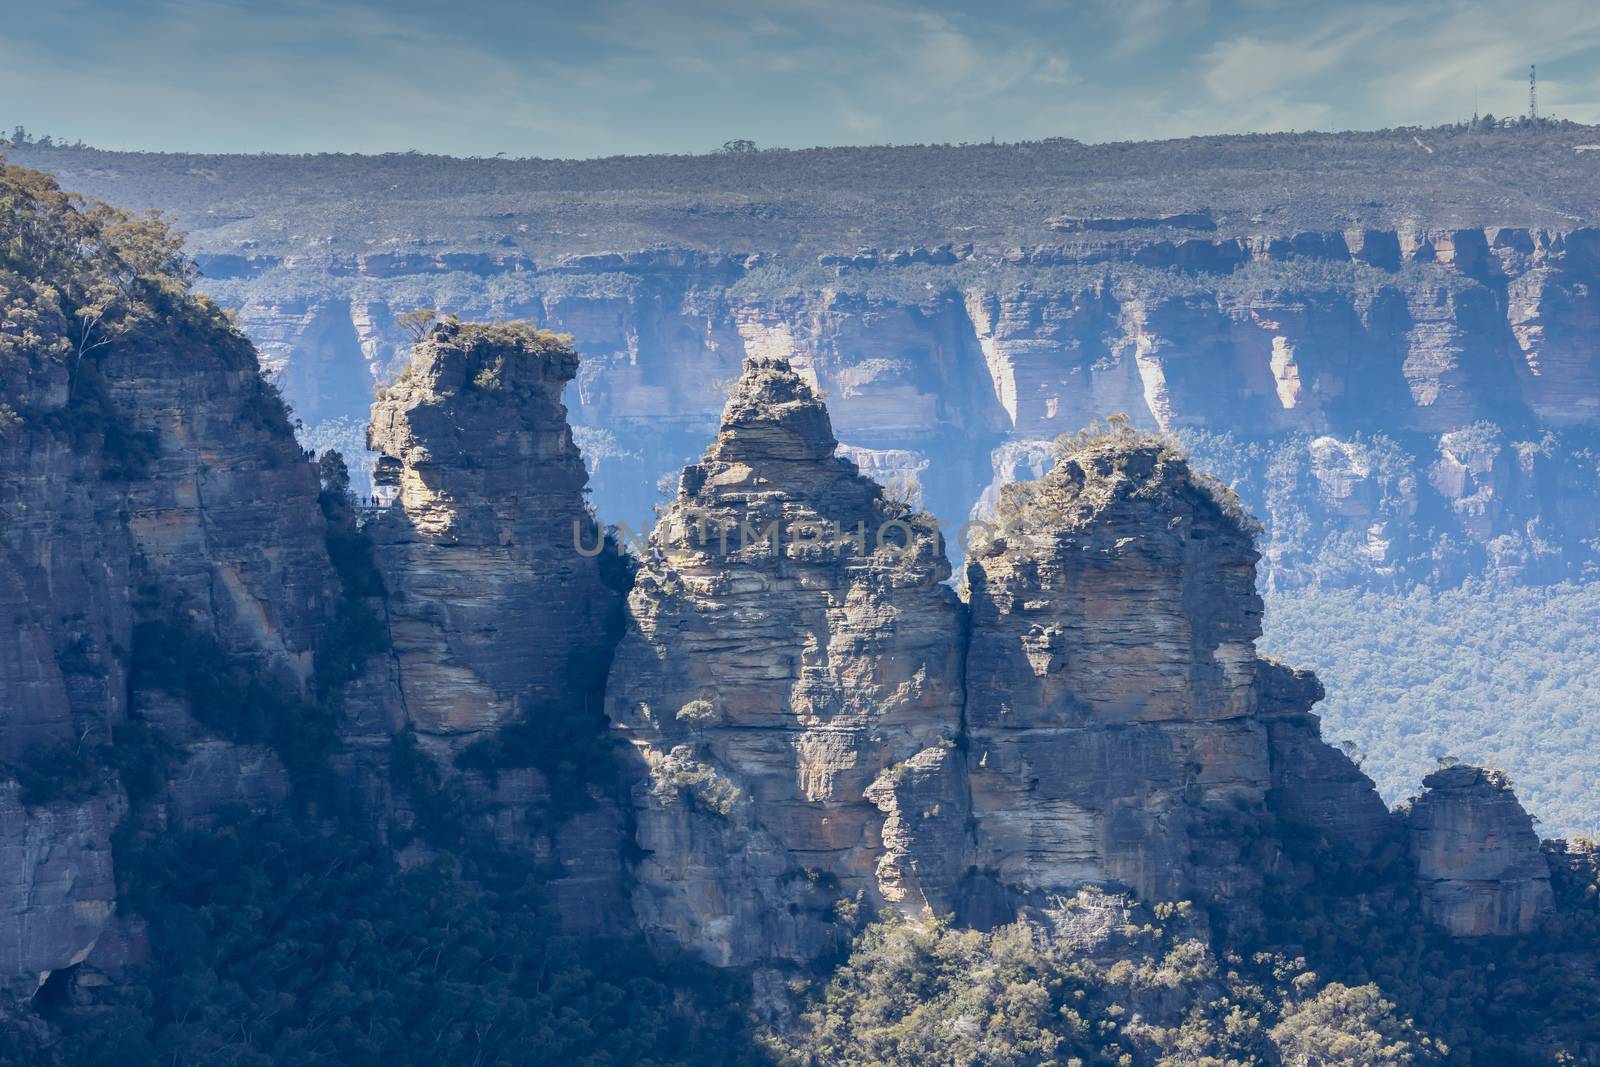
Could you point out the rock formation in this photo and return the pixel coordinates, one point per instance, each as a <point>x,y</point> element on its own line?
<point>810,720</point>
<point>1479,864</point>
<point>795,705</point>
<point>148,479</point>
<point>791,688</point>
<point>1279,307</point>
<point>490,554</point>
<point>500,608</point>
<point>1120,728</point>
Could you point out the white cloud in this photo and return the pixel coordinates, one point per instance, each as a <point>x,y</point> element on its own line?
<point>1140,25</point>
<point>640,75</point>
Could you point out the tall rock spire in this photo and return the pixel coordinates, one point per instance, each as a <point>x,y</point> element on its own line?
<point>494,609</point>
<point>500,608</point>
<point>791,688</point>
<point>1119,721</point>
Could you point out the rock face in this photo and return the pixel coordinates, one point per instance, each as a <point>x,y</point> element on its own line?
<point>57,890</point>
<point>1120,727</point>
<point>490,555</point>
<point>1255,298</point>
<point>792,701</point>
<point>1478,860</point>
<point>147,476</point>
<point>188,482</point>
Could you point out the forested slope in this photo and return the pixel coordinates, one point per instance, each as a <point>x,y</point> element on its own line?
<point>1503,677</point>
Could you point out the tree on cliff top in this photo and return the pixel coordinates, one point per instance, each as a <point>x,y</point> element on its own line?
<point>417,323</point>
<point>78,277</point>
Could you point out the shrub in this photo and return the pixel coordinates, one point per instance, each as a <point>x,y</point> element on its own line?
<point>699,713</point>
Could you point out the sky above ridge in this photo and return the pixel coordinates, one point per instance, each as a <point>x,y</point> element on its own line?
<point>533,78</point>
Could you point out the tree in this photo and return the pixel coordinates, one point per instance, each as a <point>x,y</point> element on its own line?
<point>1344,1024</point>
<point>335,474</point>
<point>417,323</point>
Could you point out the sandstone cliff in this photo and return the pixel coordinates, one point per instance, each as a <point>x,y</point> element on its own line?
<point>944,366</point>
<point>154,508</point>
<point>489,553</point>
<point>1120,727</point>
<point>1418,295</point>
<point>58,889</point>
<point>791,688</point>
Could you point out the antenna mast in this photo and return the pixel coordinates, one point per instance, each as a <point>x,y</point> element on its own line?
<point>1533,93</point>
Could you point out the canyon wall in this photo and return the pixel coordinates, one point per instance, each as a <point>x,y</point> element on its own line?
<point>802,721</point>
<point>1382,340</point>
<point>1308,357</point>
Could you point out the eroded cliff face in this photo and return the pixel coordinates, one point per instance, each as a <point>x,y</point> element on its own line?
<point>1121,729</point>
<point>163,479</point>
<point>942,364</point>
<point>1479,864</point>
<point>153,502</point>
<point>489,553</point>
<point>790,687</point>
<point>186,638</point>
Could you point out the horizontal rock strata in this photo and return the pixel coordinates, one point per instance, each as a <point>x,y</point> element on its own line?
<point>792,702</point>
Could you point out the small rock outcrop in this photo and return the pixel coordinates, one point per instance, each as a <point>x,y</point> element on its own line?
<point>1478,859</point>
<point>490,555</point>
<point>57,888</point>
<point>790,686</point>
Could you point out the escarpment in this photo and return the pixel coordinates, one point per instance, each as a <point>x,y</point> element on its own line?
<point>1289,293</point>
<point>158,526</point>
<point>790,687</point>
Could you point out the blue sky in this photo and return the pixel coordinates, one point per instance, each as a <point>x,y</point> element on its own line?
<point>612,76</point>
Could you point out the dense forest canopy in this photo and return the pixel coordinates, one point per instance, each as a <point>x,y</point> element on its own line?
<point>1496,676</point>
